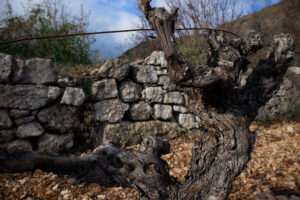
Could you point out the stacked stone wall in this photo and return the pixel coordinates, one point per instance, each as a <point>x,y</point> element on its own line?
<point>41,111</point>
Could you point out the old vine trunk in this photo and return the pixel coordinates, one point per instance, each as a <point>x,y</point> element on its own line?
<point>224,111</point>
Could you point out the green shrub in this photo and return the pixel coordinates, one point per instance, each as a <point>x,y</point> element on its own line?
<point>50,17</point>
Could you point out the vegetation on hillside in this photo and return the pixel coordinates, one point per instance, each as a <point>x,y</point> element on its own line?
<point>193,47</point>
<point>50,17</point>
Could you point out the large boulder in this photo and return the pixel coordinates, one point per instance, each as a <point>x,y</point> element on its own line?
<point>5,121</point>
<point>73,96</point>
<point>153,94</point>
<point>140,111</point>
<point>27,96</point>
<point>55,143</point>
<point>162,112</point>
<point>113,68</point>
<point>59,118</point>
<point>32,129</point>
<point>111,110</point>
<point>130,91</point>
<point>105,89</point>
<point>34,71</point>
<point>130,133</point>
<point>145,74</point>
<point>5,67</point>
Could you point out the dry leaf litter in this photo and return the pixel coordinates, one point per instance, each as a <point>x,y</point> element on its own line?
<point>273,172</point>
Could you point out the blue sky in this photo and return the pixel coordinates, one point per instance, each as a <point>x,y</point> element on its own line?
<point>112,15</point>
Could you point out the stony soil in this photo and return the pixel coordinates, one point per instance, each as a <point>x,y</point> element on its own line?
<point>274,171</point>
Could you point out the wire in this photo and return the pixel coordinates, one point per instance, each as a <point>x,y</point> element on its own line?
<point>104,32</point>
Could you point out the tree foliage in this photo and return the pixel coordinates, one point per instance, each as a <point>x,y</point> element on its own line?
<point>50,17</point>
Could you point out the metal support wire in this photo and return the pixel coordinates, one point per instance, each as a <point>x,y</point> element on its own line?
<point>104,32</point>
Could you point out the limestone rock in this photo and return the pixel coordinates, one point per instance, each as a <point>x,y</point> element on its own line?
<point>173,98</point>
<point>65,82</point>
<point>15,113</point>
<point>5,67</point>
<point>59,118</point>
<point>295,70</point>
<point>145,74</point>
<point>104,89</point>
<point>114,68</point>
<point>130,133</point>
<point>24,120</point>
<point>27,96</point>
<point>35,71</point>
<point>130,91</point>
<point>111,110</point>
<point>157,58</point>
<point>161,72</point>
<point>163,112</point>
<point>188,121</point>
<point>32,129</point>
<point>153,94</point>
<point>20,145</point>
<point>7,135</point>
<point>180,109</point>
<point>73,96</point>
<point>166,83</point>
<point>5,121</point>
<point>140,111</point>
<point>55,143</point>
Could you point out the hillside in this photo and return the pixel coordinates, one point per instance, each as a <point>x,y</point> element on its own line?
<point>283,17</point>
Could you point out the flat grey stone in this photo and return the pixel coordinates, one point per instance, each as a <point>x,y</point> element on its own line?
<point>5,67</point>
<point>5,121</point>
<point>20,145</point>
<point>173,98</point>
<point>105,89</point>
<point>188,121</point>
<point>7,135</point>
<point>157,58</point>
<point>180,109</point>
<point>32,129</point>
<point>166,83</point>
<point>163,112</point>
<point>59,118</point>
<point>35,71</point>
<point>113,68</point>
<point>130,91</point>
<point>27,96</point>
<point>111,110</point>
<point>153,94</point>
<point>55,143</point>
<point>140,111</point>
<point>73,96</point>
<point>145,74</point>
<point>15,113</point>
<point>130,133</point>
<point>24,120</point>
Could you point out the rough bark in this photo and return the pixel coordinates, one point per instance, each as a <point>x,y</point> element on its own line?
<point>225,113</point>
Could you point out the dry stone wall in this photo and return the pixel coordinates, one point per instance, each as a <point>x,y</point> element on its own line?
<point>41,111</point>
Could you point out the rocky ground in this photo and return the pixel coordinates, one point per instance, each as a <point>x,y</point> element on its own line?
<point>273,172</point>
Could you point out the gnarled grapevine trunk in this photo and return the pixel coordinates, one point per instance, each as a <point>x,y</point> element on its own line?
<point>224,111</point>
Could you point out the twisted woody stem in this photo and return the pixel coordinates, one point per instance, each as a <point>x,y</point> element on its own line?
<point>224,113</point>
